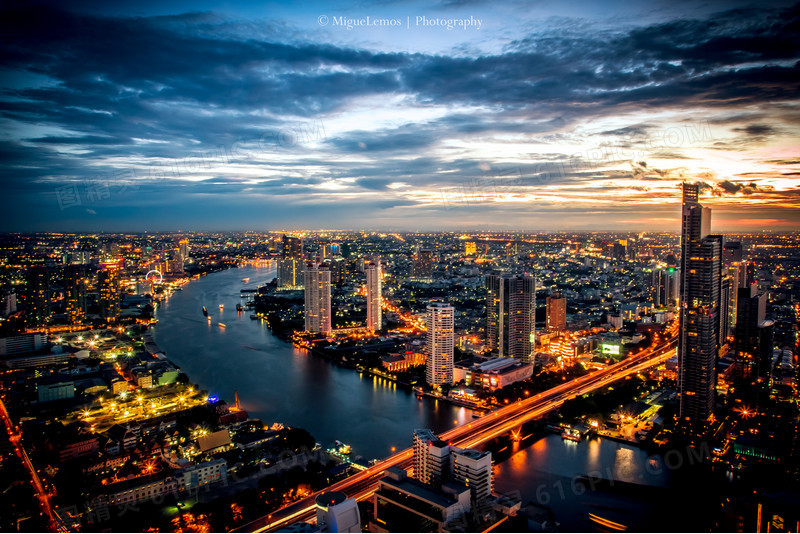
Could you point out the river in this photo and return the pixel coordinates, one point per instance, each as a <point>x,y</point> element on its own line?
<point>278,383</point>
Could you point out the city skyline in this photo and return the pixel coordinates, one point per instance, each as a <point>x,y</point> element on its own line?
<point>229,117</point>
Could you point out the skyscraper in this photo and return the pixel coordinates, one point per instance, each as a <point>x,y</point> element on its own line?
<point>75,286</point>
<point>665,285</point>
<point>290,265</point>
<point>556,312</point>
<point>441,323</point>
<point>108,289</point>
<point>318,298</point>
<point>752,344</point>
<point>37,295</point>
<point>510,315</point>
<point>701,269</point>
<point>423,264</point>
<point>374,315</point>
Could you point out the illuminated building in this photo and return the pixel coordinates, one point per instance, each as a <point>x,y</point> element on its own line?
<point>510,315</point>
<point>108,288</point>
<point>75,285</point>
<point>473,469</point>
<point>440,321</point>
<point>338,267</point>
<point>183,251</point>
<point>38,296</point>
<point>556,312</point>
<point>470,248</point>
<point>752,344</point>
<point>291,262</point>
<point>374,314</point>
<point>202,474</point>
<point>318,298</point>
<point>498,373</point>
<point>665,286</point>
<point>337,513</point>
<point>423,264</point>
<point>431,457</point>
<point>701,269</point>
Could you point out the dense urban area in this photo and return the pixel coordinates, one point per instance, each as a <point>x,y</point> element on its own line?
<point>682,345</point>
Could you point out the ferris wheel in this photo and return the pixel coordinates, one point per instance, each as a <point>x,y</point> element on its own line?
<point>154,277</point>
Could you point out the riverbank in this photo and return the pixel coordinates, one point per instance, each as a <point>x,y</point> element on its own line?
<point>278,383</point>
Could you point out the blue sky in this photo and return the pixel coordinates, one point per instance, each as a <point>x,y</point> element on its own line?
<point>269,115</point>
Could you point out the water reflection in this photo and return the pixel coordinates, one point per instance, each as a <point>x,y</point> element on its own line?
<point>278,383</point>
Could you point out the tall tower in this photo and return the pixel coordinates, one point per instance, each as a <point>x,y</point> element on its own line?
<point>373,272</point>
<point>701,269</point>
<point>510,315</point>
<point>108,288</point>
<point>318,298</point>
<point>556,312</point>
<point>289,266</point>
<point>423,263</point>
<point>441,323</point>
<point>752,344</point>
<point>75,286</point>
<point>38,296</point>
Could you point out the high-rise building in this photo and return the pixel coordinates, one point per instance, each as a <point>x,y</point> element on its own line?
<point>724,312</point>
<point>338,267</point>
<point>290,274</point>
<point>752,344</point>
<point>701,269</point>
<point>318,298</point>
<point>511,315</point>
<point>440,320</point>
<point>183,251</point>
<point>75,285</point>
<point>431,458</point>
<point>374,314</point>
<point>470,248</point>
<point>108,289</point>
<point>473,469</point>
<point>423,263</point>
<point>665,285</point>
<point>556,312</point>
<point>37,295</point>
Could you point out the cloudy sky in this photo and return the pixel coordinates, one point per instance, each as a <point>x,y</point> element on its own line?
<point>541,115</point>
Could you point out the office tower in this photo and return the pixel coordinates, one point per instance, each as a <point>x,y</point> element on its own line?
<point>431,458</point>
<point>701,268</point>
<point>473,469</point>
<point>440,320</point>
<point>752,344</point>
<point>665,284</point>
<point>318,298</point>
<point>37,296</point>
<point>108,289</point>
<point>337,513</point>
<point>423,264</point>
<point>75,287</point>
<point>724,313</point>
<point>556,312</point>
<point>374,314</point>
<point>338,267</point>
<point>511,315</point>
<point>470,248</point>
<point>183,250</point>
<point>290,264</point>
<point>334,249</point>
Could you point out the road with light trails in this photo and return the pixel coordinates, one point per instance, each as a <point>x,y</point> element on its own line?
<point>44,498</point>
<point>492,425</point>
